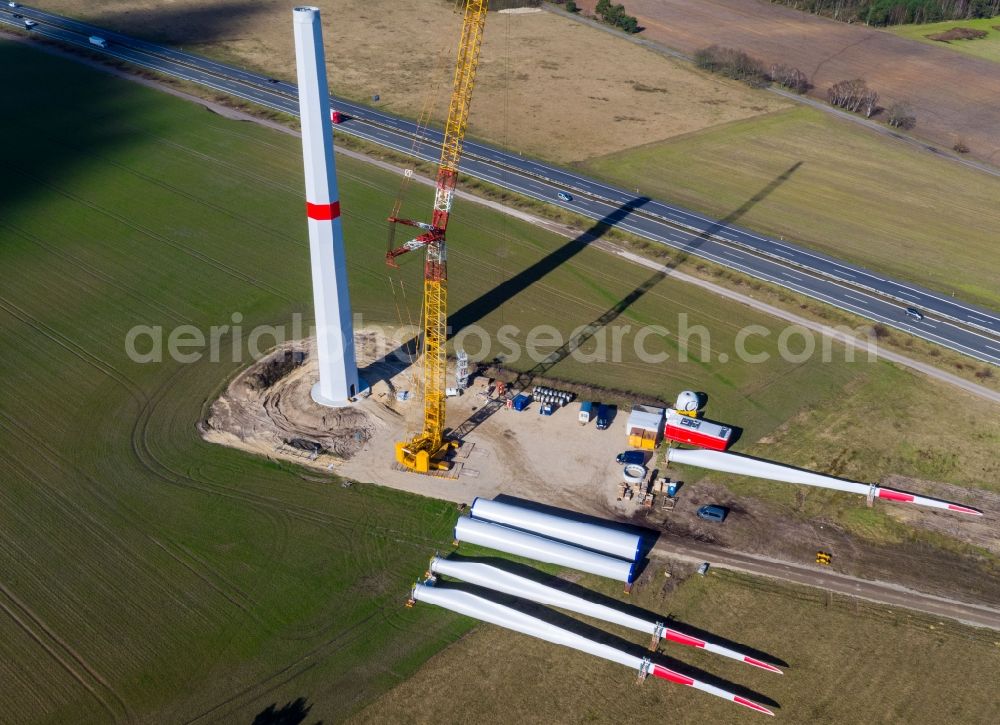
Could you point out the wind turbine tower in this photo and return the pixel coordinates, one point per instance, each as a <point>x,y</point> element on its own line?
<point>338,370</point>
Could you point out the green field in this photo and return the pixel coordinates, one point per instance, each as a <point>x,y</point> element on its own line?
<point>987,48</point>
<point>847,662</point>
<point>147,574</point>
<point>855,195</point>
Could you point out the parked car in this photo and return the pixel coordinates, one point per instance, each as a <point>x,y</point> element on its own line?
<point>603,417</point>
<point>631,457</point>
<point>563,196</point>
<point>703,569</point>
<point>712,513</point>
<point>914,313</point>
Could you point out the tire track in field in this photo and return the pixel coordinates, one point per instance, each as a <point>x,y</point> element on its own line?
<point>295,191</point>
<point>146,231</point>
<point>144,454</point>
<point>87,357</point>
<point>133,566</point>
<point>79,264</point>
<point>201,201</point>
<point>308,660</point>
<point>246,606</point>
<point>35,628</point>
<point>92,523</point>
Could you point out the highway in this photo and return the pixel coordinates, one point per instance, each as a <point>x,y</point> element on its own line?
<point>966,328</point>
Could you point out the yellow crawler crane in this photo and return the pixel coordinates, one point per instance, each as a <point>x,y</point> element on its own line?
<point>427,451</point>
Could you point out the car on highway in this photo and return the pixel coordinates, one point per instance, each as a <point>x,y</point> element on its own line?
<point>630,457</point>
<point>914,313</point>
<point>563,196</point>
<point>712,513</point>
<point>13,4</point>
<point>29,24</point>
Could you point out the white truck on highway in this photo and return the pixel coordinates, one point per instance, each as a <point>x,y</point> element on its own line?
<point>98,41</point>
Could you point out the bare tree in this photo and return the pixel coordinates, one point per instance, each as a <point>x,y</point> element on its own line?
<point>869,102</point>
<point>901,115</point>
<point>855,96</point>
<point>791,78</point>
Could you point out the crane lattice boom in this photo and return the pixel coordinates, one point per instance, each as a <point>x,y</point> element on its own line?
<point>426,451</point>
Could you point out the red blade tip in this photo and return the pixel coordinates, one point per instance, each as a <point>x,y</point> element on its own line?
<point>762,665</point>
<point>752,705</point>
<point>964,510</point>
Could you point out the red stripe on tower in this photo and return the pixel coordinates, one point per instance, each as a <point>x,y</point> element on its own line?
<point>323,212</point>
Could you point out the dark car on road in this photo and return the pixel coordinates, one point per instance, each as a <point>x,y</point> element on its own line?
<point>712,513</point>
<point>914,313</point>
<point>630,457</point>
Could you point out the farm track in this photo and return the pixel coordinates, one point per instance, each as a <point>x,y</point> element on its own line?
<point>61,652</point>
<point>238,602</point>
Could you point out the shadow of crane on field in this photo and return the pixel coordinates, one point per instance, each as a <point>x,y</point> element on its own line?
<point>406,353</point>
<point>503,292</point>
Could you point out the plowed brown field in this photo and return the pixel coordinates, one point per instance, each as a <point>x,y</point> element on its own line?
<point>955,97</point>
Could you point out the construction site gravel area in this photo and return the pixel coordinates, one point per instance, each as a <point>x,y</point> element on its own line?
<point>267,410</point>
<point>955,97</point>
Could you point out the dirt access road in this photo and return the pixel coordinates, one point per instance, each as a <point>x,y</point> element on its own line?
<point>955,97</point>
<point>875,591</point>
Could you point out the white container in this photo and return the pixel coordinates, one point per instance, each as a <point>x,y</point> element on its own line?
<point>592,536</point>
<point>519,543</point>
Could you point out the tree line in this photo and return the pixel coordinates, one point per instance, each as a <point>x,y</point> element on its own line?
<point>852,95</point>
<point>896,12</point>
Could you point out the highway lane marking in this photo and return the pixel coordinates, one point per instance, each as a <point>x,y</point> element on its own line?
<point>857,299</point>
<point>908,295</point>
<point>991,347</point>
<point>980,320</point>
<point>791,276</point>
<point>925,322</point>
